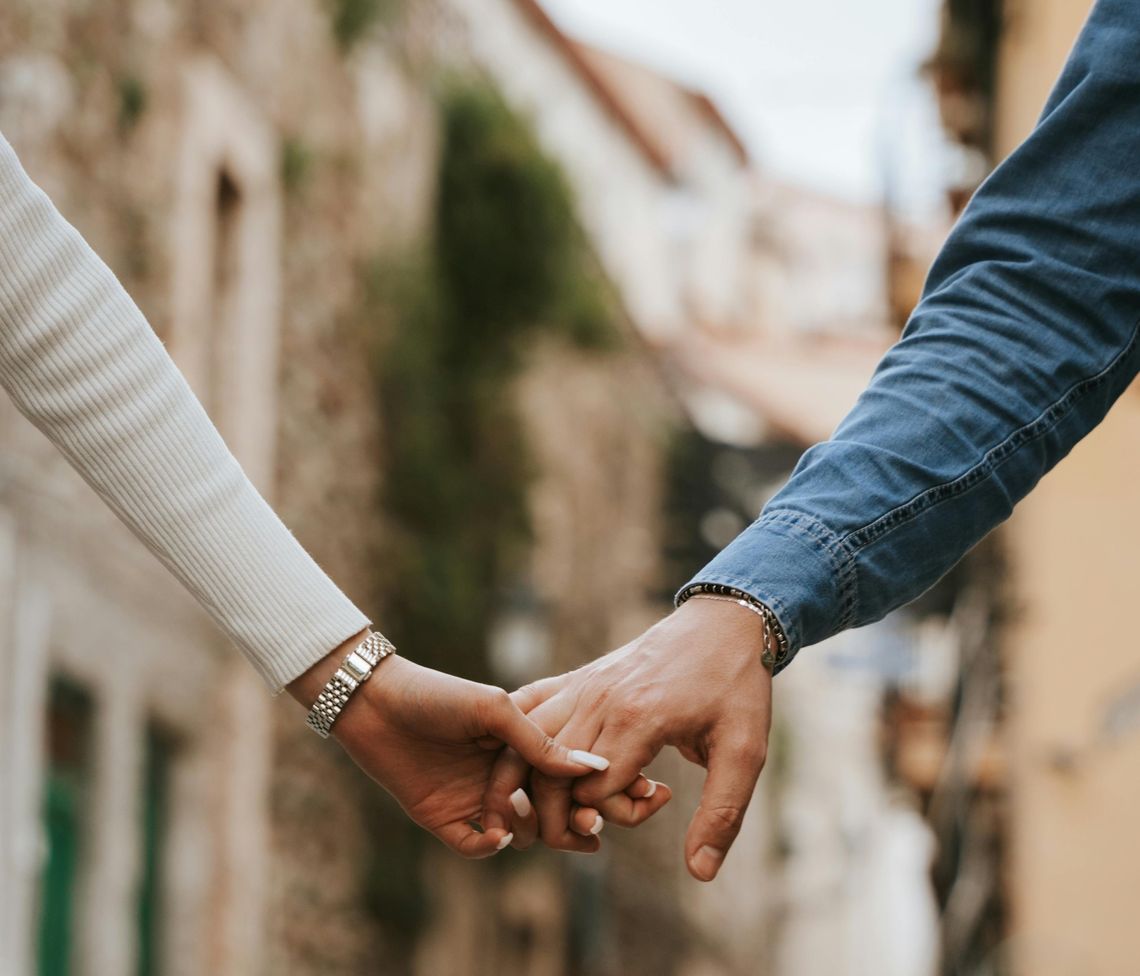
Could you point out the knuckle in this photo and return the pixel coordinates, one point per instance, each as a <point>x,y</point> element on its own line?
<point>494,706</point>
<point>551,836</point>
<point>526,694</point>
<point>620,815</point>
<point>596,696</point>
<point>760,757</point>
<point>749,751</point>
<point>549,749</point>
<point>585,794</point>
<point>626,715</point>
<point>726,818</point>
<point>641,709</point>
<point>754,755</point>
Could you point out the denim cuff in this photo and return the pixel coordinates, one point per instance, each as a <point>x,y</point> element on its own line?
<point>797,567</point>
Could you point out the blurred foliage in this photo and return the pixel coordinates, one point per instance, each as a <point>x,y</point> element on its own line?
<point>965,63</point>
<point>507,243</point>
<point>296,164</point>
<point>705,479</point>
<point>351,20</point>
<point>132,102</point>
<point>506,263</point>
<point>390,877</point>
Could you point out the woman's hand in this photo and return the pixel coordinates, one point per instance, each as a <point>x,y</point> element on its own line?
<point>431,740</point>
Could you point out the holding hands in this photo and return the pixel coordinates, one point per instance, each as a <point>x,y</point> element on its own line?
<point>481,769</point>
<point>694,681</point>
<point>431,740</point>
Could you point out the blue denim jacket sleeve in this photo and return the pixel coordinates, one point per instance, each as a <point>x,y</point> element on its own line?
<point>1025,335</point>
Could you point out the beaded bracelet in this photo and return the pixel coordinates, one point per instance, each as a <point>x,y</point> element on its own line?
<point>775,640</point>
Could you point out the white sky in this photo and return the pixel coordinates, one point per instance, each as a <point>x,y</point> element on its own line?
<point>823,92</point>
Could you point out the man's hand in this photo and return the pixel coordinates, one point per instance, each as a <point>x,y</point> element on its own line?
<point>694,681</point>
<point>431,740</point>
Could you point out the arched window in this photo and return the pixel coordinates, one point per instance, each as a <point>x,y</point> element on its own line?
<point>226,263</point>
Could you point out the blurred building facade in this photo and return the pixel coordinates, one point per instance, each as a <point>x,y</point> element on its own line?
<point>159,814</point>
<point>237,163</point>
<point>1074,731</point>
<point>150,786</point>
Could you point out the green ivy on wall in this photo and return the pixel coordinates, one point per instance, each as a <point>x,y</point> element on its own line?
<point>506,262</point>
<point>352,20</point>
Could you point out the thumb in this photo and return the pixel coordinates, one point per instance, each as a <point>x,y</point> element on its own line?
<point>731,780</point>
<point>507,723</point>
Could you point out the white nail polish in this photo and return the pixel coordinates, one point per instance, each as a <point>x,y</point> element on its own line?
<point>521,802</point>
<point>504,842</point>
<point>598,825</point>
<point>584,758</point>
<point>652,789</point>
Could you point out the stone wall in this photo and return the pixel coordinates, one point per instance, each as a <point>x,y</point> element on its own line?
<point>119,110</point>
<point>238,166</point>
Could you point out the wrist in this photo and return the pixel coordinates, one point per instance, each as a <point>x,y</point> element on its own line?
<point>306,687</point>
<point>734,629</point>
<point>369,714</point>
<point>774,650</point>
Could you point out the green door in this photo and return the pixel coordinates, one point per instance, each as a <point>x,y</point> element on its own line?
<point>64,820</point>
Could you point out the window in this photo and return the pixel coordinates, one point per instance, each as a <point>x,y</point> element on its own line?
<point>158,759</point>
<point>69,785</point>
<point>224,321</point>
<point>226,243</point>
<point>66,788</point>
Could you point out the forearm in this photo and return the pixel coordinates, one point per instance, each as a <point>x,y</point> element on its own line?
<point>81,362</point>
<point>1025,336</point>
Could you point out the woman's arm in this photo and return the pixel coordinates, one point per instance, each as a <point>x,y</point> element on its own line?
<point>81,362</point>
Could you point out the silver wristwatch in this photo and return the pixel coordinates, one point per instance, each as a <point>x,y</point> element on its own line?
<point>352,673</point>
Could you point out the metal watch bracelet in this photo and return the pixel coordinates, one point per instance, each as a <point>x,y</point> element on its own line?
<point>775,650</point>
<point>354,670</point>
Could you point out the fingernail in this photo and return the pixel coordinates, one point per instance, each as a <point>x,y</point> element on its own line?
<point>652,789</point>
<point>584,758</point>
<point>706,862</point>
<point>504,842</point>
<point>598,825</point>
<point>521,802</point>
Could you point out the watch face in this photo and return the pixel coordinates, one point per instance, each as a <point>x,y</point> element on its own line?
<point>358,666</point>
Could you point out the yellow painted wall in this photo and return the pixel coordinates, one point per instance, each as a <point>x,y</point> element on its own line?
<point>1037,36</point>
<point>1075,559</point>
<point>1075,869</point>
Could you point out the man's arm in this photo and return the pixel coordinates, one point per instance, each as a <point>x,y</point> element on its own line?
<point>1025,336</point>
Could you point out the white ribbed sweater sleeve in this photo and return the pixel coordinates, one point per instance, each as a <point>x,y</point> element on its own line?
<point>80,361</point>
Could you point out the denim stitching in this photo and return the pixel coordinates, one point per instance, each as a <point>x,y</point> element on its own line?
<point>840,558</point>
<point>1035,429</point>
